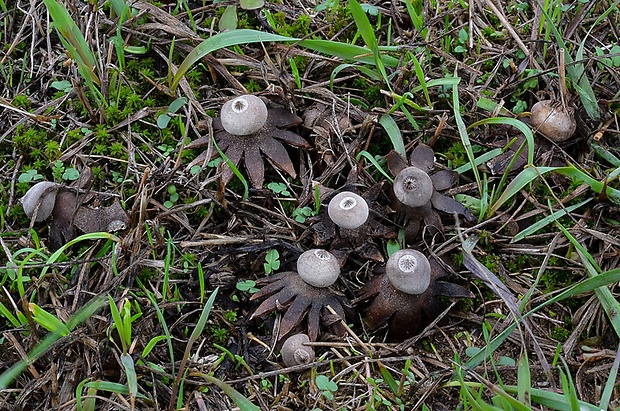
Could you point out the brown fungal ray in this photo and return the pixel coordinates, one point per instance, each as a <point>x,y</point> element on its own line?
<point>423,157</point>
<point>248,148</point>
<point>107,219</point>
<point>62,229</point>
<point>287,292</point>
<point>396,163</point>
<point>282,118</point>
<point>451,206</point>
<point>444,179</point>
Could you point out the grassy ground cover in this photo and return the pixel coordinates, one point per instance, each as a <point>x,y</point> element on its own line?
<point>148,286</point>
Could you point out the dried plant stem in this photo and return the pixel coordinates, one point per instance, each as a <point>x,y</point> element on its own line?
<point>563,88</point>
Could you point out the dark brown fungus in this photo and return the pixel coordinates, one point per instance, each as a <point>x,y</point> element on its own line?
<point>287,292</point>
<point>416,201</point>
<point>70,212</point>
<point>248,142</point>
<point>401,312</point>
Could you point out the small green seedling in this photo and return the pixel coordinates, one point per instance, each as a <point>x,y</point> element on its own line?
<point>272,261</point>
<point>248,286</point>
<point>300,214</point>
<point>60,172</point>
<point>174,197</point>
<point>279,188</point>
<point>29,176</point>
<point>327,387</point>
<point>164,118</point>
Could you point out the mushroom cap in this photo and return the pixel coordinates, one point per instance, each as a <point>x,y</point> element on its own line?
<point>553,120</point>
<point>413,187</point>
<point>348,210</point>
<point>244,115</point>
<point>318,268</point>
<point>409,271</point>
<point>43,192</point>
<point>294,352</point>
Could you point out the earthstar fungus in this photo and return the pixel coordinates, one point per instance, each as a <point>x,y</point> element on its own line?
<point>417,191</point>
<point>69,209</point>
<point>288,292</point>
<point>348,210</point>
<point>406,294</point>
<point>553,120</point>
<point>245,130</point>
<point>295,352</point>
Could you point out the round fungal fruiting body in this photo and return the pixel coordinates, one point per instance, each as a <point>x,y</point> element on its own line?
<point>348,210</point>
<point>294,352</point>
<point>318,268</point>
<point>413,187</point>
<point>553,120</point>
<point>409,271</point>
<point>43,192</point>
<point>243,115</point>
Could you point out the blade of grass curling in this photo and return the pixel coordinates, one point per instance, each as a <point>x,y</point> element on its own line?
<point>246,36</point>
<point>518,124</point>
<point>374,162</point>
<point>530,173</point>
<point>391,128</point>
<point>605,296</point>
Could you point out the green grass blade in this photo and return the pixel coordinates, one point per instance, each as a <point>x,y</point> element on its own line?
<point>196,332</point>
<point>460,124</point>
<point>368,35</point>
<point>47,320</point>
<point>84,313</point>
<point>235,170</point>
<point>73,39</point>
<point>539,225</point>
<point>246,36</point>
<point>518,124</point>
<point>240,400</point>
<point>393,131</point>
<point>482,159</point>
<point>118,322</point>
<point>531,173</point>
<point>610,305</point>
<point>524,379</point>
<point>374,162</point>
<point>611,382</point>
<point>419,73</point>
<point>575,71</point>
<point>601,280</point>
<point>552,400</point>
<point>132,378</point>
